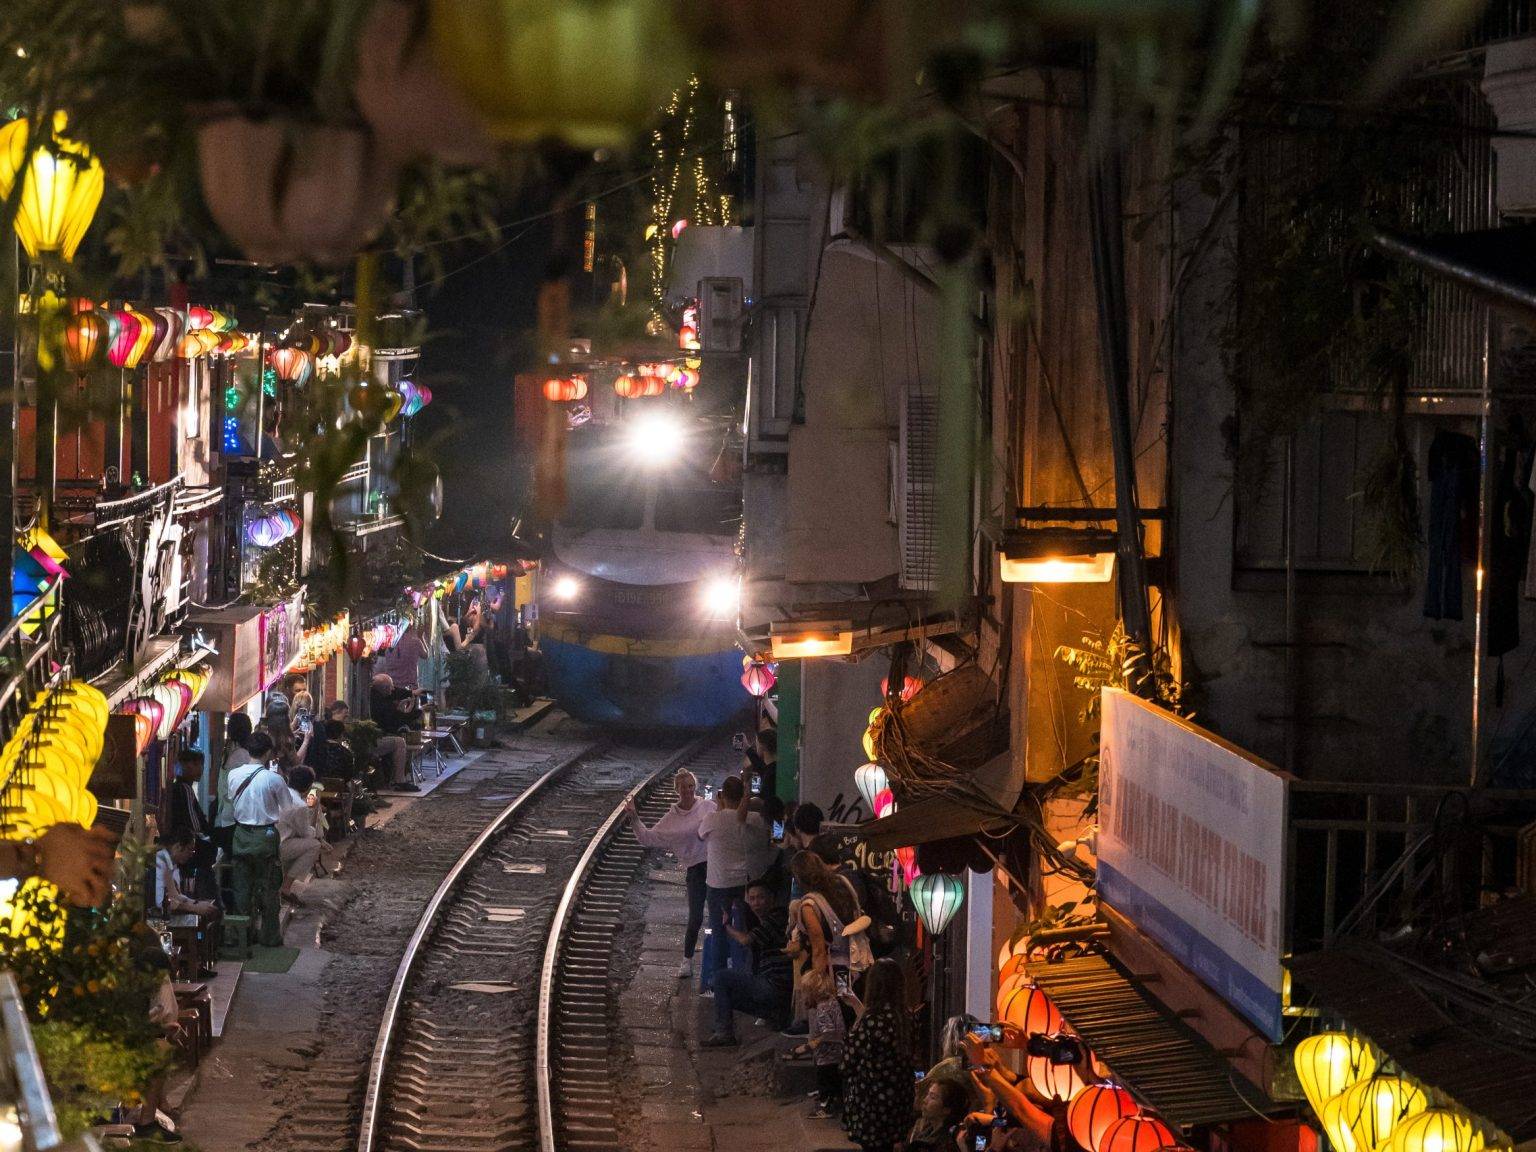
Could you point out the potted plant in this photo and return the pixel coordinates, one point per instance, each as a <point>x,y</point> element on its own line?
<point>471,690</point>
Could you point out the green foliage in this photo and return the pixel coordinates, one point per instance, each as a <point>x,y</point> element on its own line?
<point>470,686</point>
<point>90,1073</point>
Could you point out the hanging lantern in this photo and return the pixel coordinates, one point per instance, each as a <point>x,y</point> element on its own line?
<point>1094,1109</point>
<point>85,333</point>
<point>639,387</point>
<point>1011,966</point>
<point>937,897</point>
<point>292,365</point>
<point>909,687</point>
<point>688,338</point>
<point>1437,1130</point>
<point>127,329</point>
<point>354,647</point>
<point>1030,1011</point>
<point>906,862</point>
<point>61,188</point>
<point>759,679</point>
<point>1365,1114</point>
<point>562,389</point>
<point>871,780</point>
<point>884,805</point>
<point>199,317</point>
<point>143,732</point>
<point>145,342</point>
<point>169,329</point>
<point>1137,1134</point>
<point>1330,1062</point>
<point>1060,1083</point>
<point>685,378</point>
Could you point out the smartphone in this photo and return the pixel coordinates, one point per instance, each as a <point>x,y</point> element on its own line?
<point>979,1141</point>
<point>920,1074</point>
<point>739,741</point>
<point>757,784</point>
<point>778,829</point>
<point>844,984</point>
<point>992,1032</point>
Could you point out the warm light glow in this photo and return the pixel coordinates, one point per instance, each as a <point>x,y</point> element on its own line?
<point>657,439</point>
<point>871,780</point>
<point>1437,1130</point>
<point>1330,1062</point>
<point>61,188</point>
<point>1361,1117</point>
<point>565,588</point>
<point>1093,569</point>
<point>722,597</point>
<point>1056,1081</point>
<point>1139,1134</point>
<point>1094,1109</point>
<point>810,644</point>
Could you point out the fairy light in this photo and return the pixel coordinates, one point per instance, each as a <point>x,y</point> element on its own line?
<point>672,158</point>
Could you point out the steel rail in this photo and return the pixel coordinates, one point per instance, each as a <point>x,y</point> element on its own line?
<point>379,1063</point>
<point>574,888</point>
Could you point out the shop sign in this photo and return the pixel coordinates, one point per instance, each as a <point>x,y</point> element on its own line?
<point>282,638</point>
<point>1191,849</point>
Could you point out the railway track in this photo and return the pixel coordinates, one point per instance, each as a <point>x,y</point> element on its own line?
<point>496,1032</point>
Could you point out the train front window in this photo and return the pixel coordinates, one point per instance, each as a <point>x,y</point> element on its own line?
<point>705,511</point>
<point>596,502</point>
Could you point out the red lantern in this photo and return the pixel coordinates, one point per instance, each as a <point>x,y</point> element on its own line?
<point>128,328</point>
<point>909,687</point>
<point>290,364</point>
<point>906,859</point>
<point>758,679</point>
<point>884,804</point>
<point>1137,1134</point>
<point>629,387</point>
<point>561,389</point>
<point>688,338</point>
<point>1094,1109</point>
<point>355,647</point>
<point>199,317</point>
<point>1058,1082</point>
<point>84,334</point>
<point>1030,1011</point>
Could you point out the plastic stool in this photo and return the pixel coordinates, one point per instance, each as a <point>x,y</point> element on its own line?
<point>237,937</point>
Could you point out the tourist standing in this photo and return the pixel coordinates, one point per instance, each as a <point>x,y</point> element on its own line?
<point>259,797</point>
<point>678,833</point>
<point>877,1068</point>
<point>730,833</point>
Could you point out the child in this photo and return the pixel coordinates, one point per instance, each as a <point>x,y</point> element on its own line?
<point>824,1014</point>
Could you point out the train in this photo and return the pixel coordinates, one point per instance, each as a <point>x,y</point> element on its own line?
<point>638,593</point>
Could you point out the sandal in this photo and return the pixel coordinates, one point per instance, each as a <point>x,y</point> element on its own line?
<point>798,1052</point>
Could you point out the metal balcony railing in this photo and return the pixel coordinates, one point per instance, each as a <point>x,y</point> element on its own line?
<point>30,662</point>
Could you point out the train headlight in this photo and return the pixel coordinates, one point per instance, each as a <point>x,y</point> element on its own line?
<point>656,439</point>
<point>722,597</point>
<point>565,588</point>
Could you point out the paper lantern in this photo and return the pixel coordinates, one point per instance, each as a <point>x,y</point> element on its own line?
<point>1094,1109</point>
<point>688,338</point>
<point>1137,1134</point>
<point>149,707</point>
<point>561,389</point>
<point>264,531</point>
<point>884,805</point>
<point>1330,1062</point>
<point>85,335</point>
<point>906,863</point>
<point>937,897</point>
<point>61,187</point>
<point>168,338</point>
<point>1030,1011</point>
<point>639,387</point>
<point>909,687</point>
<point>290,364</point>
<point>198,317</point>
<point>143,732</point>
<point>146,339</point>
<point>354,647</point>
<point>1011,967</point>
<point>1365,1114</point>
<point>1437,1130</point>
<point>1060,1082</point>
<point>128,327</point>
<point>759,679</point>
<point>871,780</point>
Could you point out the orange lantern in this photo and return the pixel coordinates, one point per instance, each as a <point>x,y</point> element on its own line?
<point>639,386</point>
<point>1058,1082</point>
<point>561,389</point>
<point>290,364</point>
<point>1137,1134</point>
<point>1030,1011</point>
<point>84,335</point>
<point>1012,967</point>
<point>1094,1109</point>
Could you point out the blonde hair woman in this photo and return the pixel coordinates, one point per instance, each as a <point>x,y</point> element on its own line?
<point>678,833</point>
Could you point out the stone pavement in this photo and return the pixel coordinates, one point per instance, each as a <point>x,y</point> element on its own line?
<point>703,1100</point>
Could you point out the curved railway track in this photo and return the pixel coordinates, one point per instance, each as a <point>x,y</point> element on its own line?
<point>496,1029</point>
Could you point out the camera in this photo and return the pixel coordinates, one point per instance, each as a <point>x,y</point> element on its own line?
<point>979,1141</point>
<point>1058,1049</point>
<point>739,741</point>
<point>990,1032</point>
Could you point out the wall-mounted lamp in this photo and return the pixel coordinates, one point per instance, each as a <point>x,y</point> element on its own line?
<point>1057,556</point>
<point>794,639</point>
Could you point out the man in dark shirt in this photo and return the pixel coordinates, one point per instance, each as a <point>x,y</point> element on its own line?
<point>767,990</point>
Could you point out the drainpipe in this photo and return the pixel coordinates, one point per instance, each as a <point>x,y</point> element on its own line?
<point>1107,224</point>
<point>1292,629</point>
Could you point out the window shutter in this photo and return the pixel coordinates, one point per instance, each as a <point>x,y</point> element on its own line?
<point>917,471</point>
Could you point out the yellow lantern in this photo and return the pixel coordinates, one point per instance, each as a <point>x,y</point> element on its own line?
<point>1437,1130</point>
<point>1363,1116</point>
<point>1330,1062</point>
<point>61,187</point>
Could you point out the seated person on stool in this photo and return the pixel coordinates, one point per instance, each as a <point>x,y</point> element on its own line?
<point>303,843</point>
<point>183,813</point>
<point>395,711</point>
<point>176,849</point>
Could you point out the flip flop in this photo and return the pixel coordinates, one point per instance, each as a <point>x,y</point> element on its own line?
<point>798,1052</point>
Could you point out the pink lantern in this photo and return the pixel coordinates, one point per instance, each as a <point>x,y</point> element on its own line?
<point>759,678</point>
<point>906,860</point>
<point>885,804</point>
<point>909,687</point>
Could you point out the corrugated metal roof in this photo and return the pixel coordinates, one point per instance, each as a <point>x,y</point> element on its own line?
<point>1160,1059</point>
<point>1413,1018</point>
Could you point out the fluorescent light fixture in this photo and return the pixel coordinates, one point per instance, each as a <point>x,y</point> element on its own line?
<point>792,640</point>
<point>565,588</point>
<point>722,596</point>
<point>1057,556</point>
<point>656,438</point>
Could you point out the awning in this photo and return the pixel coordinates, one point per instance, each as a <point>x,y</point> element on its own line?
<point>926,820</point>
<point>1152,1053</point>
<point>1406,1010</point>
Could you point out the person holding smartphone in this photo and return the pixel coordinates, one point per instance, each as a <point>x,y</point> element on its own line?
<point>678,832</point>
<point>1007,1088</point>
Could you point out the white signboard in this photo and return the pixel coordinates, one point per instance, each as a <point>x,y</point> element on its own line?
<point>1191,849</point>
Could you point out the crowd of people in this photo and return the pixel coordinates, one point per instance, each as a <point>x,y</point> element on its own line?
<point>817,947</point>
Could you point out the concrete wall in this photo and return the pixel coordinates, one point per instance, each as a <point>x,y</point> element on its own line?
<point>835,702</point>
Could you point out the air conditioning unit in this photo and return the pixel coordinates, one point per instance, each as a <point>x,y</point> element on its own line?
<point>722,308</point>
<point>916,489</point>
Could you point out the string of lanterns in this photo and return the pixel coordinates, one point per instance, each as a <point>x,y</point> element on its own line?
<point>166,705</point>
<point>49,758</point>
<point>322,642</point>
<point>272,528</point>
<point>127,337</point>
<point>415,397</point>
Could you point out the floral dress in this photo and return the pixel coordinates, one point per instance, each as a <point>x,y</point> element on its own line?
<point>877,1082</point>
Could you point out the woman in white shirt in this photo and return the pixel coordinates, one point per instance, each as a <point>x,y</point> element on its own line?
<point>299,827</point>
<point>678,833</point>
